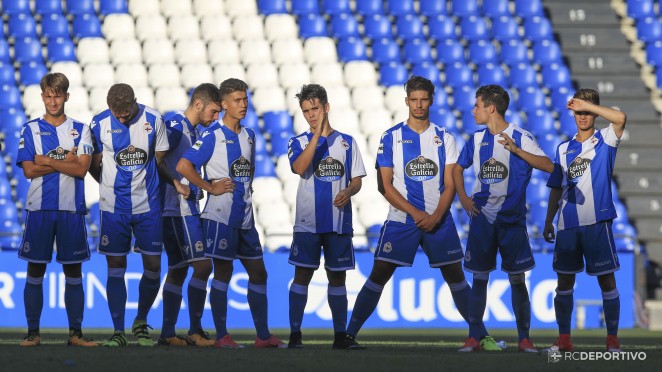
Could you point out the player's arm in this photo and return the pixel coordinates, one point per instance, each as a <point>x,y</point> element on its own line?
<point>616,117</point>
<point>73,165</point>
<point>458,181</point>
<point>305,158</point>
<point>393,196</point>
<point>541,162</point>
<point>95,167</point>
<point>344,196</point>
<point>32,170</point>
<point>172,179</point>
<point>552,209</point>
<point>187,170</point>
<point>431,221</point>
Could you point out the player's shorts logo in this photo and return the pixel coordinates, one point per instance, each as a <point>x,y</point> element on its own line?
<point>26,247</point>
<point>58,154</point>
<point>577,168</point>
<point>421,169</point>
<point>74,133</point>
<point>295,251</point>
<point>209,242</point>
<point>344,144</point>
<point>240,170</point>
<point>104,240</point>
<point>492,171</point>
<point>223,244</point>
<point>437,141</point>
<point>147,128</point>
<point>387,248</point>
<point>131,158</point>
<point>329,170</point>
<point>199,247</point>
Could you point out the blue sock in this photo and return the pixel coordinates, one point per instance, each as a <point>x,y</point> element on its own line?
<point>366,302</point>
<point>611,305</point>
<point>197,294</point>
<point>116,295</point>
<point>148,289</point>
<point>563,305</point>
<point>521,308</point>
<point>74,301</point>
<point>33,298</point>
<point>172,302</point>
<point>257,301</point>
<point>337,297</point>
<point>477,302</point>
<point>218,296</point>
<point>298,299</point>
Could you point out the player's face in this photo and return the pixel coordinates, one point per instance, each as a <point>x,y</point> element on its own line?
<point>208,113</point>
<point>126,116</point>
<point>419,102</point>
<point>480,112</point>
<point>585,120</point>
<point>235,105</point>
<point>54,102</point>
<point>314,112</point>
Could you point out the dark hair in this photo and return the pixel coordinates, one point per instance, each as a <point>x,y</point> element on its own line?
<point>207,93</point>
<point>494,95</point>
<point>419,83</point>
<point>309,92</point>
<point>232,85</point>
<point>120,98</point>
<point>588,95</point>
<point>56,82</point>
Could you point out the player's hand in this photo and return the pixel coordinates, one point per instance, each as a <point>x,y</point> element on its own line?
<point>548,232</point>
<point>508,143</point>
<point>469,206</point>
<point>418,216</point>
<point>42,160</point>
<point>222,186</point>
<point>319,128</point>
<point>428,223</point>
<point>576,104</point>
<point>72,155</point>
<point>182,189</point>
<point>341,199</point>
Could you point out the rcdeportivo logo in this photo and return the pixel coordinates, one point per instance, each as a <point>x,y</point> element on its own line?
<point>492,171</point>
<point>421,169</point>
<point>131,158</point>
<point>58,154</point>
<point>240,170</point>
<point>329,170</point>
<point>577,168</point>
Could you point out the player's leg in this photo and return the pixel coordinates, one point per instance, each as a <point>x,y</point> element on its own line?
<point>611,305</point>
<point>197,295</point>
<point>33,298</point>
<point>338,258</point>
<point>305,256</point>
<point>74,302</point>
<point>147,228</point>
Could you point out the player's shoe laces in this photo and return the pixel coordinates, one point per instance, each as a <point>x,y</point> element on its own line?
<point>343,341</point>
<point>295,341</point>
<point>76,339</point>
<point>32,339</point>
<point>200,338</point>
<point>613,346</point>
<point>227,342</point>
<point>172,341</point>
<point>488,343</point>
<point>526,346</point>
<point>470,344</point>
<point>271,342</point>
<point>116,340</point>
<point>563,343</point>
<point>140,329</point>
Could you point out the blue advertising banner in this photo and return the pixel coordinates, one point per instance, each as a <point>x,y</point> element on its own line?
<point>415,297</point>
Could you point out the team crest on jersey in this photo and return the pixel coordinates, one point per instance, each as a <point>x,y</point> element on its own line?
<point>240,170</point>
<point>73,133</point>
<point>577,168</point>
<point>492,171</point>
<point>387,248</point>
<point>329,170</point>
<point>467,256</point>
<point>199,247</point>
<point>131,158</point>
<point>594,140</point>
<point>295,251</point>
<point>58,154</point>
<point>104,240</point>
<point>344,144</point>
<point>421,169</point>
<point>147,128</point>
<point>437,141</point>
<point>223,244</point>
<point>26,247</point>
<point>250,141</point>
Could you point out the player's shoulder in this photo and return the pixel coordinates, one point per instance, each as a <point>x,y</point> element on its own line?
<point>151,110</point>
<point>100,117</point>
<point>32,123</point>
<point>176,122</point>
<point>523,132</point>
<point>396,128</point>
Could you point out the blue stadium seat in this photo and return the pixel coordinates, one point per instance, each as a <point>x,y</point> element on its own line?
<point>54,25</point>
<point>61,49</point>
<point>385,50</point>
<point>10,97</point>
<point>5,194</point>
<point>377,26</point>
<point>537,189</point>
<point>373,233</point>
<point>431,8</point>
<point>639,9</point>
<point>458,74</point>
<point>10,233</point>
<point>490,73</point>
<point>417,51</point>
<point>514,52</point>
<point>504,28</point>
<point>538,213</point>
<point>441,28</point>
<point>427,70</point>
<point>482,52</point>
<point>654,53</point>
<point>513,117</point>
<point>540,123</point>
<point>567,123</point>
<point>31,73</point>
<point>556,75</point>
<point>528,8</point>
<point>264,167</point>
<point>333,7</point>
<point>531,98</point>
<point>276,122</point>
<point>537,28</point>
<point>46,7</point>
<point>464,8</point>
<point>548,143</point>
<point>658,77</point>
<point>522,75</point>
<point>116,6</point>
<point>546,52</point>
<point>267,7</point>
<point>4,51</point>
<point>279,142</point>
<point>464,97</point>
<point>12,7</point>
<point>351,49</point>
<point>649,30</point>
<point>393,73</point>
<point>250,120</point>
<point>27,49</point>
<point>12,120</point>
<point>469,125</point>
<point>496,8</point>
<point>444,117</point>
<point>560,97</point>
<point>400,7</point>
<point>301,7</point>
<point>311,25</point>
<point>77,7</point>
<point>86,25</point>
<point>409,26</point>
<point>369,7</point>
<point>7,74</point>
<point>450,51</point>
<point>22,25</point>
<point>344,25</point>
<point>474,28</point>
<point>260,142</point>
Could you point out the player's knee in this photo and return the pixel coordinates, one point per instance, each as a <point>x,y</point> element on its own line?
<point>72,271</point>
<point>257,276</point>
<point>202,269</point>
<point>516,278</point>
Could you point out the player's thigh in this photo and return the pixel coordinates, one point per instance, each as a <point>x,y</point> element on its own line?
<point>177,242</point>
<point>38,237</point>
<point>71,238</point>
<point>398,243</point>
<point>568,251</point>
<point>482,247</point>
<point>221,240</point>
<point>338,251</point>
<point>600,249</point>
<point>115,234</point>
<point>306,250</point>
<point>442,245</point>
<point>148,230</point>
<point>249,246</point>
<point>515,249</point>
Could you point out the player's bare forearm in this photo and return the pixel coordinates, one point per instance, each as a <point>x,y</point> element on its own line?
<point>553,204</point>
<point>95,167</point>
<point>306,157</point>
<point>32,170</point>
<point>165,174</point>
<point>616,117</point>
<point>78,167</point>
<point>354,186</point>
<point>393,196</point>
<point>458,181</point>
<point>537,161</point>
<point>187,170</point>
<point>447,195</point>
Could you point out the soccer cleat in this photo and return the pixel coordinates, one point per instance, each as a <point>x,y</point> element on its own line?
<point>227,342</point>
<point>613,346</point>
<point>32,339</point>
<point>470,344</point>
<point>564,343</point>
<point>172,341</point>
<point>116,340</point>
<point>488,343</point>
<point>76,339</point>
<point>140,329</point>
<point>200,338</point>
<point>271,342</point>
<point>343,341</point>
<point>526,346</point>
<point>295,341</point>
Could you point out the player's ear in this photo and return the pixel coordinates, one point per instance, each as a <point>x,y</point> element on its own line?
<point>327,108</point>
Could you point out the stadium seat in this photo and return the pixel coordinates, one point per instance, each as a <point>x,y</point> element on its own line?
<point>21,25</point>
<point>464,8</point>
<point>4,52</point>
<point>393,98</point>
<point>99,75</point>
<point>251,51</point>
<point>77,7</point>
<point>311,25</point>
<point>639,9</point>
<point>556,75</point>
<point>490,73</point>
<point>236,9</point>
<point>13,7</point>
<point>279,142</point>
<point>196,73</point>
<point>546,52</point>
<point>567,123</point>
<point>32,99</point>
<point>223,71</point>
<point>531,98</point>
<point>649,30</point>
<point>92,50</point>
<point>287,51</point>
<point>163,75</point>
<point>504,28</point>
<point>469,125</point>
<point>377,26</point>
<point>369,7</point>
<point>464,97</point>
<point>31,73</point>
<point>360,74</point>
<point>183,27</point>
<point>215,27</point>
<point>528,8</point>
<point>230,53</point>
<point>86,25</point>
<point>537,28</point>
<point>248,28</point>
<point>98,97</point>
<point>173,8</point>
<point>344,25</point>
<point>560,97</point>
<point>303,7</point>
<point>61,49</point>
<point>107,7</point>
<point>268,7</point>
<point>351,49</point>
<point>54,25</point>
<point>203,8</point>
<point>125,51</point>
<point>495,8</point>
<point>431,8</point>
<point>293,75</point>
<point>10,97</point>
<point>374,121</point>
<point>522,75</point>
<point>409,26</point>
<point>458,74</point>
<point>261,74</point>
<point>118,26</point>
<point>513,52</point>
<point>280,27</point>
<point>385,50</point>
<point>474,28</point>
<point>72,70</point>
<point>264,167</point>
<point>170,98</point>
<point>145,7</point>
<point>441,28</point>
<point>190,51</point>
<point>540,123</point>
<point>392,73</point>
<point>7,74</point>
<point>427,70</point>
<point>417,51</point>
<point>13,119</point>
<point>277,121</point>
<point>482,52</point>
<point>47,7</point>
<point>153,26</point>
<point>444,117</point>
<point>320,49</point>
<point>368,98</point>
<point>654,53</point>
<point>268,99</point>
<point>548,143</point>
<point>333,7</point>
<point>27,49</point>
<point>400,7</point>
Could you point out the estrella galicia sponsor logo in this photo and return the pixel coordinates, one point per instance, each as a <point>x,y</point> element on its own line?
<point>240,170</point>
<point>577,168</point>
<point>421,169</point>
<point>131,158</point>
<point>329,170</point>
<point>493,171</point>
<point>58,154</point>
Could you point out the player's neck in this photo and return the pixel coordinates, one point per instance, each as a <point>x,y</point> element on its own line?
<point>55,120</point>
<point>232,124</point>
<point>418,125</point>
<point>583,135</point>
<point>191,117</point>
<point>497,125</point>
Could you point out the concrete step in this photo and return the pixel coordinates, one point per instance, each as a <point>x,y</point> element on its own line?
<point>644,206</point>
<point>581,13</point>
<point>602,38</point>
<point>649,229</point>
<point>606,63</point>
<point>654,309</point>
<point>639,159</point>
<point>639,183</point>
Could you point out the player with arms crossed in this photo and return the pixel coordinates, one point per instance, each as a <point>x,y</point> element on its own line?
<point>581,193</point>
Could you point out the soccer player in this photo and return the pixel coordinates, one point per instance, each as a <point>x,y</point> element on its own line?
<point>228,154</point>
<point>55,152</point>
<point>182,234</point>
<point>330,168</point>
<point>129,140</point>
<point>414,163</point>
<point>502,156</point>
<point>581,193</point>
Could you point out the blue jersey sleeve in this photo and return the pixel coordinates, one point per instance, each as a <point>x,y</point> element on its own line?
<point>202,150</point>
<point>466,158</point>
<point>385,152</point>
<point>555,180</point>
<point>175,131</point>
<point>96,137</point>
<point>294,150</point>
<point>26,151</point>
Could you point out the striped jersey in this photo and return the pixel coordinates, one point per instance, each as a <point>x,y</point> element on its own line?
<point>336,161</point>
<point>55,191</point>
<point>418,162</point>
<point>129,180</point>
<point>226,154</point>
<point>583,170</point>
<point>501,177</point>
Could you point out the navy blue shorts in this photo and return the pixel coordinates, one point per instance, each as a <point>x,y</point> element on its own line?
<point>227,243</point>
<point>183,240</point>
<point>593,243</point>
<point>307,248</point>
<point>116,230</point>
<point>66,229</point>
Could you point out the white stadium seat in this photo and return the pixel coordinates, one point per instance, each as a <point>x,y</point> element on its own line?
<point>98,75</point>
<point>271,215</point>
<point>32,98</point>
<point>364,98</point>
<point>345,120</point>
<point>142,7</point>
<point>280,26</point>
<point>162,75</point>
<point>215,27</point>
<point>118,26</point>
<point>293,75</point>
<point>328,74</point>
<point>171,8</point>
<point>205,7</point>
<point>394,98</point>
<point>261,75</point>
<point>283,170</point>
<point>320,50</point>
<point>190,51</point>
<point>151,26</point>
<point>158,51</point>
<point>248,27</point>
<point>339,97</point>
<point>287,51</point>
<point>300,123</point>
<point>92,50</point>
<point>98,101</point>
<point>268,99</point>
<point>252,51</point>
<point>134,74</point>
<point>125,51</point>
<point>360,74</point>
<point>194,74</point>
<point>267,190</point>
<point>78,99</point>
<point>237,8</point>
<point>375,120</point>
<point>223,51</point>
<point>72,70</point>
<point>170,99</point>
<point>84,116</point>
<point>223,71</point>
<point>145,95</point>
<point>183,27</point>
